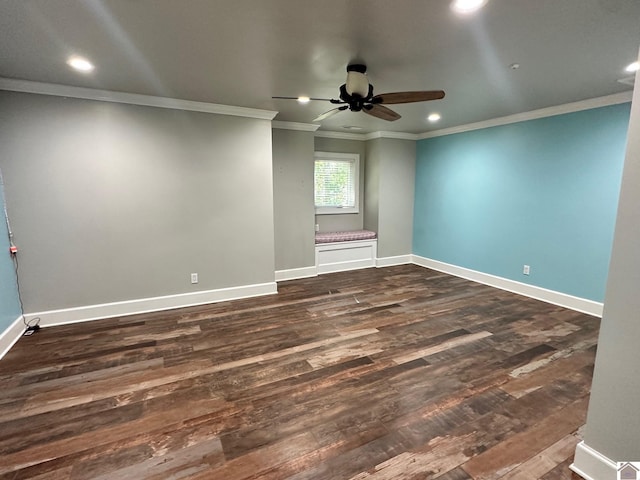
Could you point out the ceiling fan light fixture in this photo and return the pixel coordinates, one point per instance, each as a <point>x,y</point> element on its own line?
<point>434,117</point>
<point>467,6</point>
<point>304,99</point>
<point>357,82</point>
<point>632,67</point>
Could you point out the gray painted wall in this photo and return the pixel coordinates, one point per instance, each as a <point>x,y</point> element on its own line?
<point>343,222</point>
<point>613,422</point>
<point>397,186</point>
<point>390,185</point>
<point>115,202</point>
<point>293,199</point>
<point>372,185</point>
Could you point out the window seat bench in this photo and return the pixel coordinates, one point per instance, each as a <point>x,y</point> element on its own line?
<point>341,251</point>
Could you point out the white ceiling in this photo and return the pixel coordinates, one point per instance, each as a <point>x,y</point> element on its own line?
<point>243,52</point>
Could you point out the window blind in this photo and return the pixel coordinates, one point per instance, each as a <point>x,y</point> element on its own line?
<point>335,183</point>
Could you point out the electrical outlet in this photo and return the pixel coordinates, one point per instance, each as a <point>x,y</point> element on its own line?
<point>194,278</point>
<point>526,270</point>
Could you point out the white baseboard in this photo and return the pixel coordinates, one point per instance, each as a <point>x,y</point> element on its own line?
<point>391,261</point>
<point>556,298</point>
<point>145,305</point>
<point>295,273</point>
<point>592,465</point>
<point>11,335</point>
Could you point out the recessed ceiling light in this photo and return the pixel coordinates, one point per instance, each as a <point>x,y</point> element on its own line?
<point>434,117</point>
<point>467,6</point>
<point>632,67</point>
<point>304,99</point>
<point>80,64</point>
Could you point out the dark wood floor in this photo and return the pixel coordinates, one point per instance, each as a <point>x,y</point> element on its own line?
<point>394,373</point>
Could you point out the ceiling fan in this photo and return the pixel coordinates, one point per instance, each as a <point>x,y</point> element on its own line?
<point>356,94</point>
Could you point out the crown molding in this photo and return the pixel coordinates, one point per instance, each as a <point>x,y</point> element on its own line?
<point>396,135</point>
<point>303,127</point>
<point>363,137</point>
<point>26,86</point>
<point>341,135</point>
<point>615,99</point>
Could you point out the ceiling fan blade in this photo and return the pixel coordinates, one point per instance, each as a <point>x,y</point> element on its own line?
<point>408,97</point>
<point>330,113</point>
<point>310,98</point>
<point>381,112</point>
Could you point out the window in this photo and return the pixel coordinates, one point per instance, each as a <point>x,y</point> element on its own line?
<point>336,181</point>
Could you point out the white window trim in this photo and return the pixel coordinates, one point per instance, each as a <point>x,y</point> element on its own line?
<point>352,157</point>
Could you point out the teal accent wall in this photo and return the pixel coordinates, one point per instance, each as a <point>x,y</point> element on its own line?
<point>542,193</point>
<point>9,303</point>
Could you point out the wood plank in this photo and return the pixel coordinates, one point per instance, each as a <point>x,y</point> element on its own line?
<point>503,458</point>
<point>426,352</point>
<point>545,461</point>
